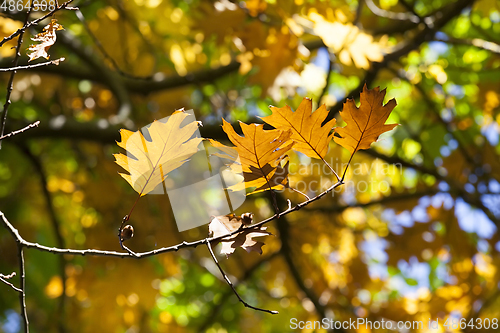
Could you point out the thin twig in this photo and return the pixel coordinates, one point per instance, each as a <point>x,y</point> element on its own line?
<point>231,284</point>
<point>4,279</point>
<point>22,283</point>
<point>9,276</point>
<point>19,68</point>
<point>10,84</point>
<point>35,22</point>
<point>35,124</point>
<point>38,166</point>
<point>248,273</point>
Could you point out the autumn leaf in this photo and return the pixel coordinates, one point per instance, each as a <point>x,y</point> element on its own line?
<point>366,123</point>
<point>310,137</point>
<point>222,225</point>
<point>149,161</point>
<point>47,38</point>
<point>260,152</point>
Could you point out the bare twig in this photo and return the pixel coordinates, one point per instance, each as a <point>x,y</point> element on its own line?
<point>4,279</point>
<point>37,163</point>
<point>35,124</point>
<point>35,22</point>
<point>19,68</point>
<point>9,276</point>
<point>10,84</point>
<point>248,273</point>
<point>231,284</point>
<point>22,283</point>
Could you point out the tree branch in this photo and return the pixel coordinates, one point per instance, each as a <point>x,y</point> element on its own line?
<point>108,76</point>
<point>456,187</point>
<point>437,20</point>
<point>286,251</point>
<point>384,200</point>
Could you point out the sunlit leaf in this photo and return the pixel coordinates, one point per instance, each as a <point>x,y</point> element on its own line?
<point>308,133</point>
<point>260,152</point>
<point>366,123</point>
<point>170,146</point>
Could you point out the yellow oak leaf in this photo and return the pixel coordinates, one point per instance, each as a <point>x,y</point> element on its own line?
<point>366,123</point>
<point>260,152</point>
<point>149,161</point>
<point>222,225</point>
<point>47,38</point>
<point>310,137</point>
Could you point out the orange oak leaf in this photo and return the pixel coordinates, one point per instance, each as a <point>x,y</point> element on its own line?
<point>149,161</point>
<point>222,225</point>
<point>47,38</point>
<point>366,123</point>
<point>260,152</point>
<point>310,137</point>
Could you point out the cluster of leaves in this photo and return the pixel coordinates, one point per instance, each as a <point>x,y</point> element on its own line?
<point>258,152</point>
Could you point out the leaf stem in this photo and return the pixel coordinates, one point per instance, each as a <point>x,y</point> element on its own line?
<point>299,192</point>
<point>347,166</point>
<point>330,167</point>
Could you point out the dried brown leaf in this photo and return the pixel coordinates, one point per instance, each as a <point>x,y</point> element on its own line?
<point>223,225</point>
<point>47,38</point>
